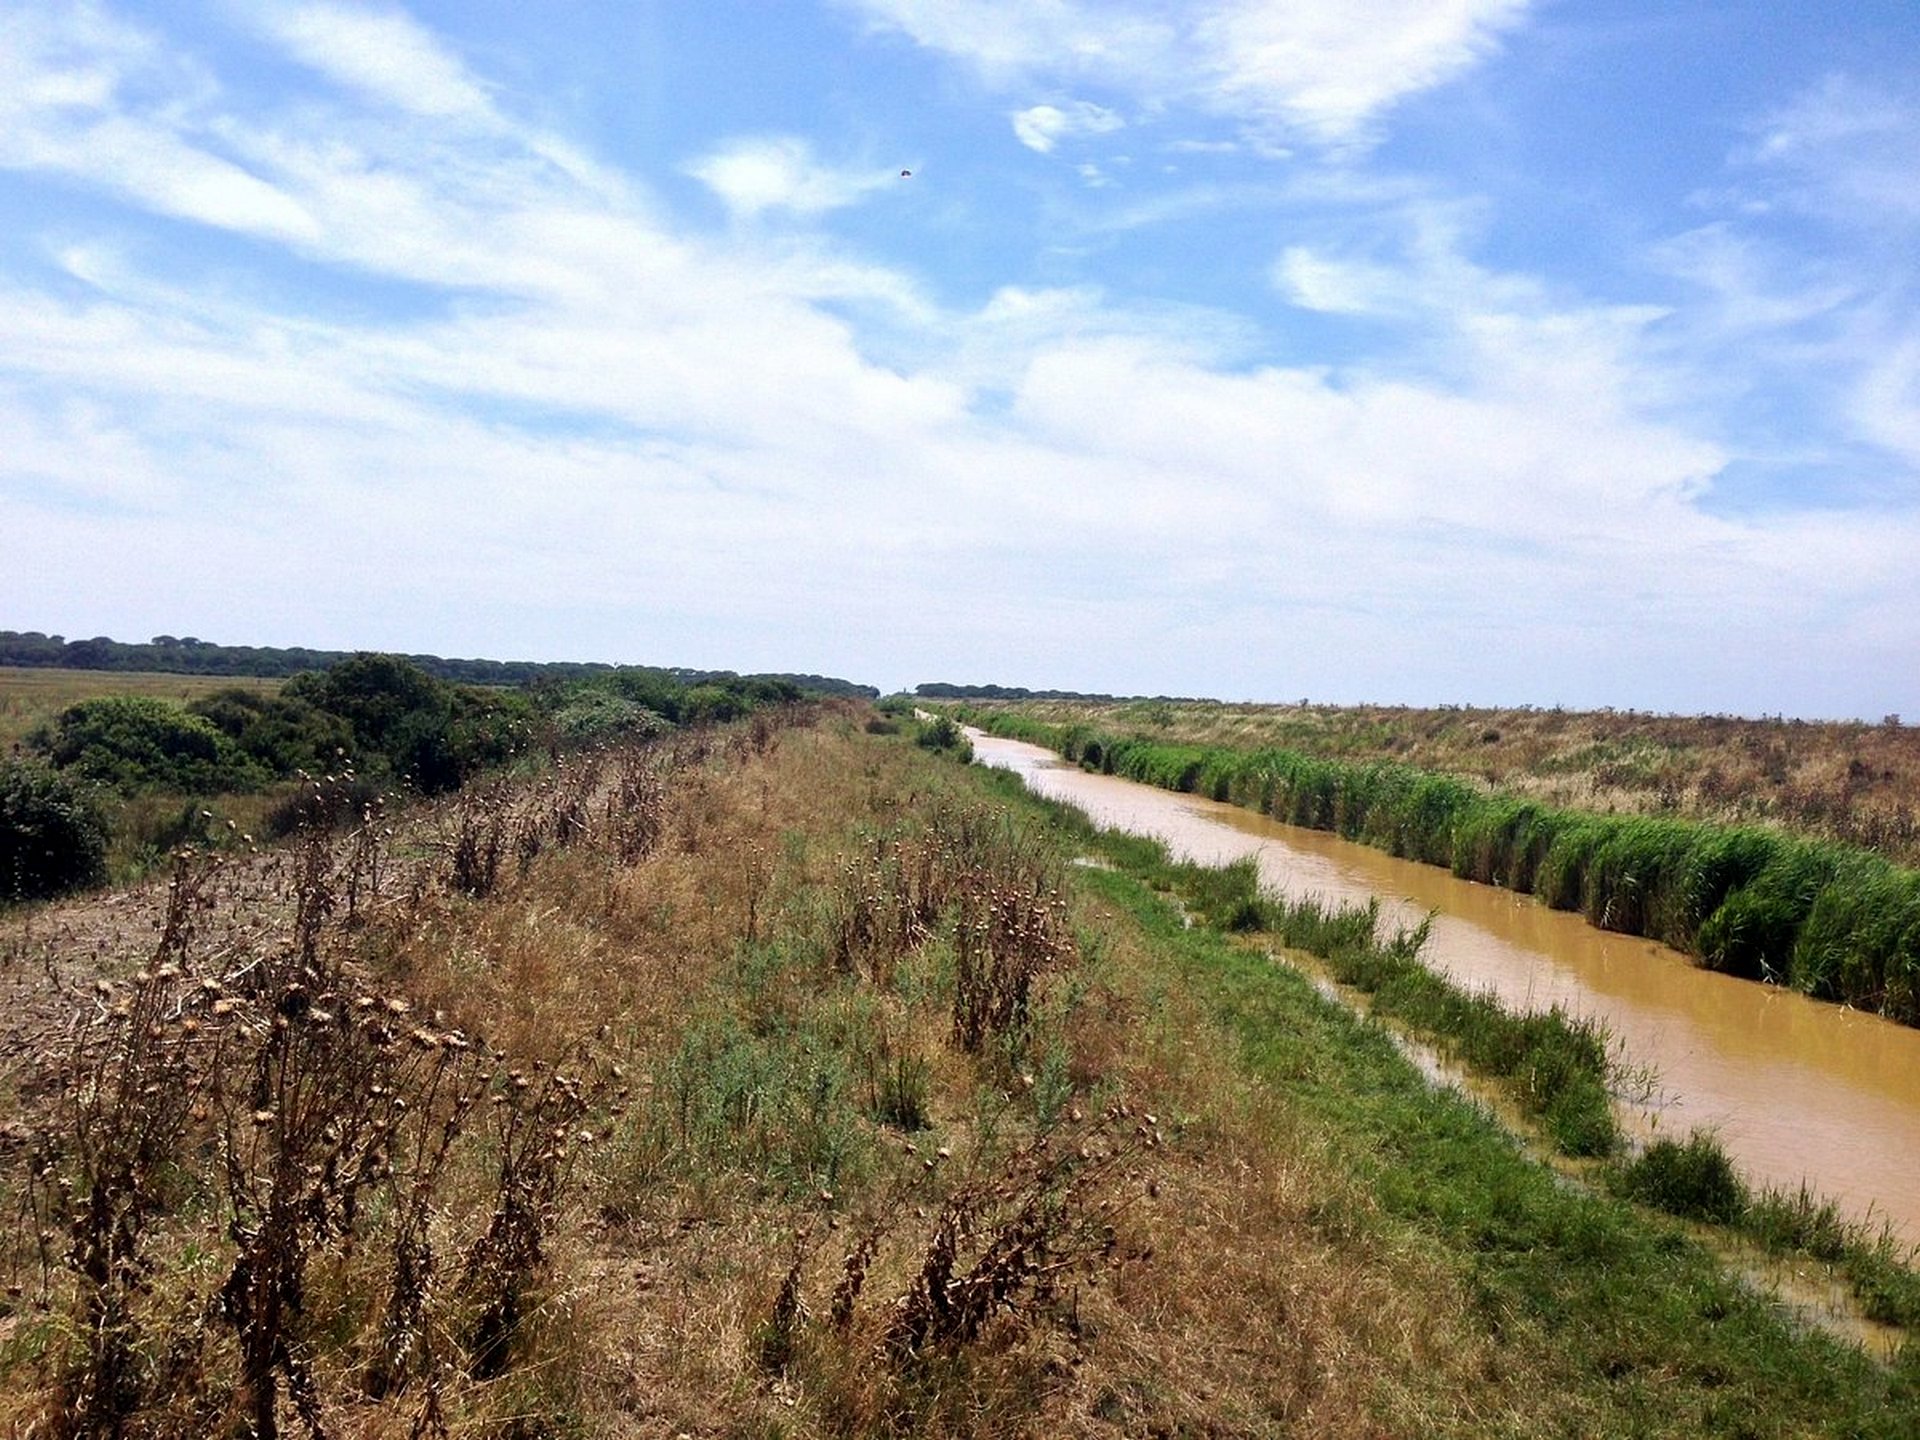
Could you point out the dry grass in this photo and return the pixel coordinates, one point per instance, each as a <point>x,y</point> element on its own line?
<point>32,696</point>
<point>1091,1222</point>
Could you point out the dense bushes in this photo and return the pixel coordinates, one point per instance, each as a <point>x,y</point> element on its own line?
<point>1838,923</point>
<point>368,724</point>
<point>282,733</point>
<point>135,742</point>
<point>426,732</point>
<point>52,838</point>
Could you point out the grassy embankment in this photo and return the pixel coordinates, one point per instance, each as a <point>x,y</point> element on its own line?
<point>1836,922</point>
<point>794,1083</point>
<point>1554,1070</point>
<point>1846,781</point>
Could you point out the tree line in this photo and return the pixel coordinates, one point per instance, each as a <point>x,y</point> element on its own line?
<point>188,655</point>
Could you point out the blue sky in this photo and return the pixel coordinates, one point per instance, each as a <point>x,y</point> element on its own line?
<point>1469,352</point>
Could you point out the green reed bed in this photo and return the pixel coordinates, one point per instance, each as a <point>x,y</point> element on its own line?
<point>1836,922</point>
<point>1697,1180</point>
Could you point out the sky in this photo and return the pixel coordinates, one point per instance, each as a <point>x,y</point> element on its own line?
<point>1486,352</point>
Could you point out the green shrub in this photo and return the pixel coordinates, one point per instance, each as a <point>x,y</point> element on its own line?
<point>942,735</point>
<point>1694,1180</point>
<point>433,735</point>
<point>282,734</point>
<point>52,838</point>
<point>136,742</point>
<point>595,714</point>
<point>375,694</point>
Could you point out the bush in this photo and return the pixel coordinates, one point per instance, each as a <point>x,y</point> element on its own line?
<point>595,714</point>
<point>52,839</point>
<point>427,732</point>
<point>135,742</point>
<point>283,734</point>
<point>943,735</point>
<point>376,695</point>
<point>1694,1180</point>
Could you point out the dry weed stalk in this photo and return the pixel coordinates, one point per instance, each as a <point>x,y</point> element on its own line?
<point>885,905</point>
<point>1009,932</point>
<point>539,1132</point>
<point>637,803</point>
<point>481,824</point>
<point>1003,1244</point>
<point>999,1247</point>
<point>129,1079</point>
<point>251,1102</point>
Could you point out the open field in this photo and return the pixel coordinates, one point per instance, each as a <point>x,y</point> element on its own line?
<point>31,697</point>
<point>791,1081</point>
<point>1841,780</point>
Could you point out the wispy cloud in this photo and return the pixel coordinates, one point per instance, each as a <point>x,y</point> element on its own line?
<point>384,54</point>
<point>1848,147</point>
<point>1324,69</point>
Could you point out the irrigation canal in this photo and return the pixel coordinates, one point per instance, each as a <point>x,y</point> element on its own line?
<point>1796,1089</point>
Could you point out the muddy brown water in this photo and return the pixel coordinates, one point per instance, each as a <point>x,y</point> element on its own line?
<point>1796,1089</point>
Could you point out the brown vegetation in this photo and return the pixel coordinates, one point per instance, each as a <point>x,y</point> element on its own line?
<point>762,1082</point>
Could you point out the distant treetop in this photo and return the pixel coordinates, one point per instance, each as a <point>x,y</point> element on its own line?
<point>188,655</point>
<point>941,690</point>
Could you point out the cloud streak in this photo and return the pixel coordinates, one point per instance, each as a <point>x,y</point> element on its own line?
<point>600,429</point>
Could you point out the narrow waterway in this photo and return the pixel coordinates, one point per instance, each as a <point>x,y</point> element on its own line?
<point>1797,1090</point>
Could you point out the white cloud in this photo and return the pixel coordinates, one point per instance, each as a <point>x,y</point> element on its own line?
<point>1314,281</point>
<point>1332,68</point>
<point>1887,402</point>
<point>383,54</point>
<point>1747,294</point>
<point>599,431</point>
<point>1328,69</point>
<point>1041,127</point>
<point>779,172</point>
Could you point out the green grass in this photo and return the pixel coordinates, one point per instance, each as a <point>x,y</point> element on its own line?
<point>1553,1065</point>
<point>1642,1330</point>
